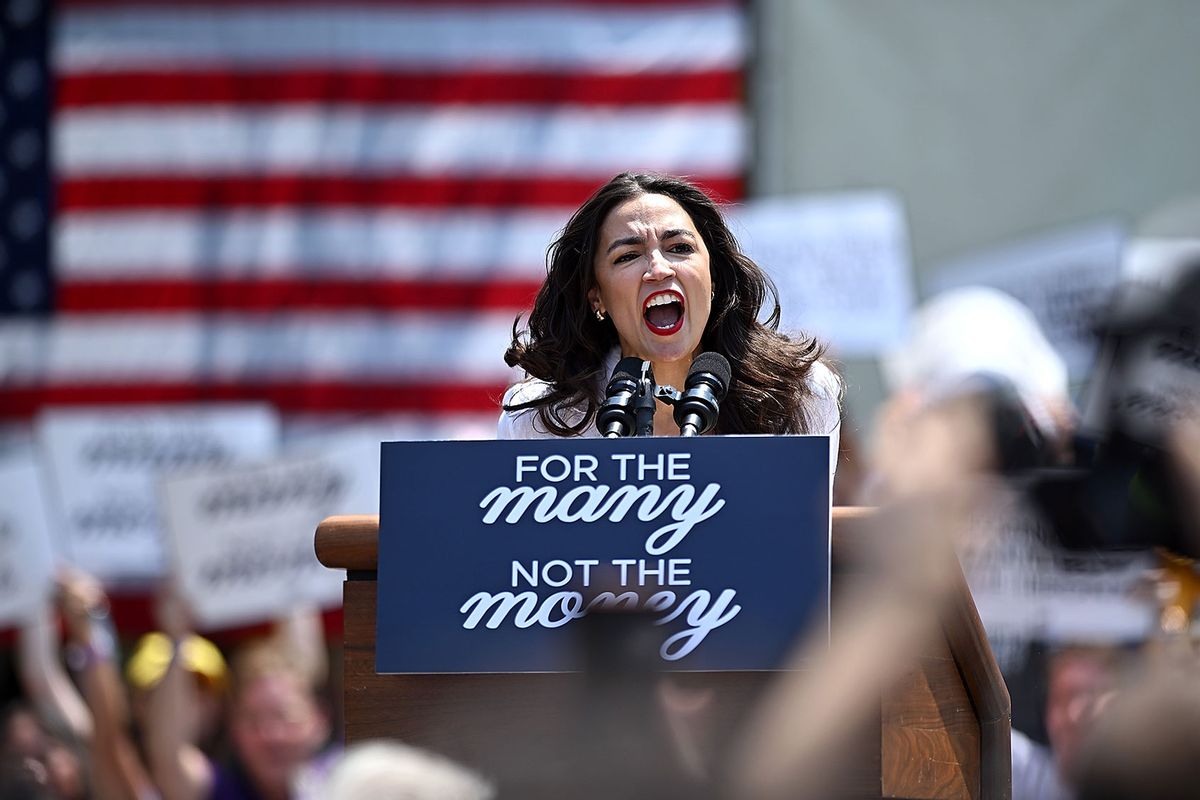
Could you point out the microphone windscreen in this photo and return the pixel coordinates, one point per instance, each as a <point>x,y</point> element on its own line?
<point>630,367</point>
<point>716,365</point>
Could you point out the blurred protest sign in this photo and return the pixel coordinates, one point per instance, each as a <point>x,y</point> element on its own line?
<point>242,538</point>
<point>26,553</point>
<point>1065,278</point>
<point>841,263</point>
<point>1026,589</point>
<point>107,466</point>
<point>354,452</point>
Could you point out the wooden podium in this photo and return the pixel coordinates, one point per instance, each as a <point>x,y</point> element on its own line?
<point>943,731</point>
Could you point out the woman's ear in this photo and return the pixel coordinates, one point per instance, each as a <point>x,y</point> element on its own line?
<point>594,301</point>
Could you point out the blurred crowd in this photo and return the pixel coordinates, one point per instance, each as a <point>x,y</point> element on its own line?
<point>170,714</point>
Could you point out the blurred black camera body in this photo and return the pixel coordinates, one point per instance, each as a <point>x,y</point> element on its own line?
<point>1120,489</point>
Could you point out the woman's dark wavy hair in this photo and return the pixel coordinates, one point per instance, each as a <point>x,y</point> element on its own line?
<point>565,345</point>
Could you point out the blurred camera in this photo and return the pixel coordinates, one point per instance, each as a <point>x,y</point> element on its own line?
<point>1120,489</point>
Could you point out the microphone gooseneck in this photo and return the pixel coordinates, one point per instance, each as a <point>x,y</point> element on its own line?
<point>706,386</point>
<point>644,404</point>
<point>616,416</point>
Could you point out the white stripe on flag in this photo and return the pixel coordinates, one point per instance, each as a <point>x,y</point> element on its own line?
<point>598,39</point>
<point>346,244</point>
<point>463,140</point>
<point>112,348</point>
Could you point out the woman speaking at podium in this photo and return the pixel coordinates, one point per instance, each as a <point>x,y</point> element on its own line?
<point>648,268</point>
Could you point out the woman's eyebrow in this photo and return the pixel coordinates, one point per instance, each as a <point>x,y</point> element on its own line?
<point>667,234</point>
<point>624,241</point>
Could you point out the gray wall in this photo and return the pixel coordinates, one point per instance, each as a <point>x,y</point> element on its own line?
<point>989,119</point>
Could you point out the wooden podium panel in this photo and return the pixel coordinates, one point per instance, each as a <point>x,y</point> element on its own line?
<point>942,732</point>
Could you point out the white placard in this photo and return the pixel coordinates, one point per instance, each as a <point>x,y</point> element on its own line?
<point>1149,377</point>
<point>354,452</point>
<point>242,538</point>
<point>1026,589</point>
<point>107,465</point>
<point>841,263</point>
<point>1065,278</point>
<point>26,551</point>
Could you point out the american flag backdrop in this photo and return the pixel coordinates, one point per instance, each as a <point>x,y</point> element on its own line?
<point>338,208</point>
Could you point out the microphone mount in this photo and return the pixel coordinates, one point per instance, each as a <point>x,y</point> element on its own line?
<point>644,403</point>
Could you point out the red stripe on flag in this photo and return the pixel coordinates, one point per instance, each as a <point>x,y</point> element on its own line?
<point>22,403</point>
<point>370,86</point>
<point>305,191</point>
<point>295,294</point>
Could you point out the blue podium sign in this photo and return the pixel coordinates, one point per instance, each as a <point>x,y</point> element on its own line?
<point>488,551</point>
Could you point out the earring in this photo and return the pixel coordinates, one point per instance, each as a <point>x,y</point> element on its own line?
<point>599,315</point>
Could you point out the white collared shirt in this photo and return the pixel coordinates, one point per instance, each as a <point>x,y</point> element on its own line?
<point>825,413</point>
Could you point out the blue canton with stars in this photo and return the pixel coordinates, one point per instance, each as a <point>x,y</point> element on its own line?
<point>26,283</point>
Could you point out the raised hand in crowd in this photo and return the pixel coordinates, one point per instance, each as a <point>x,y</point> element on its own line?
<point>44,678</point>
<point>117,768</point>
<point>93,718</point>
<point>275,726</point>
<point>173,707</point>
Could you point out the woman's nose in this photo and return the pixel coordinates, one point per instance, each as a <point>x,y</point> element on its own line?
<point>658,268</point>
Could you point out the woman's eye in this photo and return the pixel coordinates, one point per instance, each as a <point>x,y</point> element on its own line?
<point>683,248</point>
<point>621,259</point>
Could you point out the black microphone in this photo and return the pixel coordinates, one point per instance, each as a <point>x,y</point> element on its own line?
<point>707,382</point>
<point>616,417</point>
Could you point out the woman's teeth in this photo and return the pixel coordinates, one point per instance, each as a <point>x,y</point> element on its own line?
<point>664,313</point>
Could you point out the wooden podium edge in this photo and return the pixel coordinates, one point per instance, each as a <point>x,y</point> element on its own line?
<point>351,543</point>
<point>989,693</point>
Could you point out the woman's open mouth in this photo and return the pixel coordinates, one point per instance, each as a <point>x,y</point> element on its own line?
<point>663,312</point>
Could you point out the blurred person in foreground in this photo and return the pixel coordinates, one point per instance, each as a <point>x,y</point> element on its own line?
<point>1136,742</point>
<point>385,770</point>
<point>806,729</point>
<point>977,390</point>
<point>981,347</point>
<point>648,268</point>
<point>276,726</point>
<point>975,342</point>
